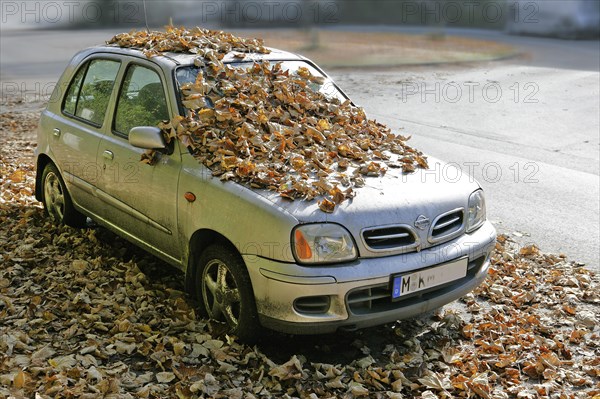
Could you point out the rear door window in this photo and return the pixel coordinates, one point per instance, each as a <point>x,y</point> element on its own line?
<point>90,90</point>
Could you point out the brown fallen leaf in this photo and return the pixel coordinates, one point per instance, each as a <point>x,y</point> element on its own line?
<point>17,176</point>
<point>20,380</point>
<point>326,205</point>
<point>529,250</point>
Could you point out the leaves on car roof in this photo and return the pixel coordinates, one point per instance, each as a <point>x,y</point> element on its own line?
<point>272,129</point>
<point>204,42</point>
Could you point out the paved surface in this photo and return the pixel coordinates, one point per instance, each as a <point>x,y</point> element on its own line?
<point>528,127</point>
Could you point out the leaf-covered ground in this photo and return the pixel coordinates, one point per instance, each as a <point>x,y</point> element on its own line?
<point>83,314</point>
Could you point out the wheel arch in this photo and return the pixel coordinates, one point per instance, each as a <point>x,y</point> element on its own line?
<point>200,240</point>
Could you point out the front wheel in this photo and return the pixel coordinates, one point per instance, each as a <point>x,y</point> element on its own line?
<point>224,291</point>
<point>56,199</point>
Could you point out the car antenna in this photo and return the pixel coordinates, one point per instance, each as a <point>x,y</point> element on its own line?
<point>146,17</point>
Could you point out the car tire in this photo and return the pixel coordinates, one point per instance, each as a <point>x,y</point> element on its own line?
<point>57,201</point>
<point>224,291</point>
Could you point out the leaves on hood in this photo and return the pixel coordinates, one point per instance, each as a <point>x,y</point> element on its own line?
<point>271,129</point>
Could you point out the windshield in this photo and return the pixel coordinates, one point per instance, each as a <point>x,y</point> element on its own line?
<point>326,86</point>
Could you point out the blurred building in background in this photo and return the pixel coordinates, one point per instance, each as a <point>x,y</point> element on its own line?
<point>567,19</point>
<point>561,18</point>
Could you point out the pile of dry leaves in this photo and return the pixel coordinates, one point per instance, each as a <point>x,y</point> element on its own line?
<point>81,317</point>
<point>270,128</point>
<point>210,44</point>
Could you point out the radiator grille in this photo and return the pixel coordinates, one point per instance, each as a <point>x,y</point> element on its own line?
<point>447,225</point>
<point>392,237</point>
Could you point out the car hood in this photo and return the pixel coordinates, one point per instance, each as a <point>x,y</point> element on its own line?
<point>389,200</point>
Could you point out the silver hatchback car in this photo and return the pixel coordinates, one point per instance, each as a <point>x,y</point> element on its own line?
<point>408,243</point>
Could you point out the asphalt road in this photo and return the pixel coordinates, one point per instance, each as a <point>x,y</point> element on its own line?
<point>527,128</point>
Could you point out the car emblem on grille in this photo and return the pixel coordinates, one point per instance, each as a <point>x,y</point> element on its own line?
<point>422,222</point>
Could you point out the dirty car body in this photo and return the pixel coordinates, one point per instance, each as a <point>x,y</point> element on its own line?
<point>406,244</point>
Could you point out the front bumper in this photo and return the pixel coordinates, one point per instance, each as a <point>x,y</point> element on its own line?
<point>322,299</point>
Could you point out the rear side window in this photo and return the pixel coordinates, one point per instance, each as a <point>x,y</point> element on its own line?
<point>89,92</point>
<point>141,101</point>
<point>73,92</point>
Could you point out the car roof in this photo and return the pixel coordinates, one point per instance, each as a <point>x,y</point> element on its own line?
<point>170,58</point>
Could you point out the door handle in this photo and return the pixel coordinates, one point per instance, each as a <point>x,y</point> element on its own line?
<point>56,132</point>
<point>108,155</point>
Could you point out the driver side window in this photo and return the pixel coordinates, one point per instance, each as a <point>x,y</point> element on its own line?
<point>141,100</point>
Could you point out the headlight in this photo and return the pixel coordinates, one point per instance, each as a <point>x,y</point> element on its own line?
<point>476,213</point>
<point>322,243</point>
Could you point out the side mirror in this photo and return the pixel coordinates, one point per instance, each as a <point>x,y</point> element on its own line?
<point>147,137</point>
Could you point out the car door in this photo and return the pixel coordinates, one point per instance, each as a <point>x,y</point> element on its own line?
<point>140,198</point>
<point>80,126</point>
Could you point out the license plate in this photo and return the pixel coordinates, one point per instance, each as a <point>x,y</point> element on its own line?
<point>404,284</point>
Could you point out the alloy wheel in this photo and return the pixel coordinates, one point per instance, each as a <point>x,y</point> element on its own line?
<point>54,197</point>
<point>220,293</point>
